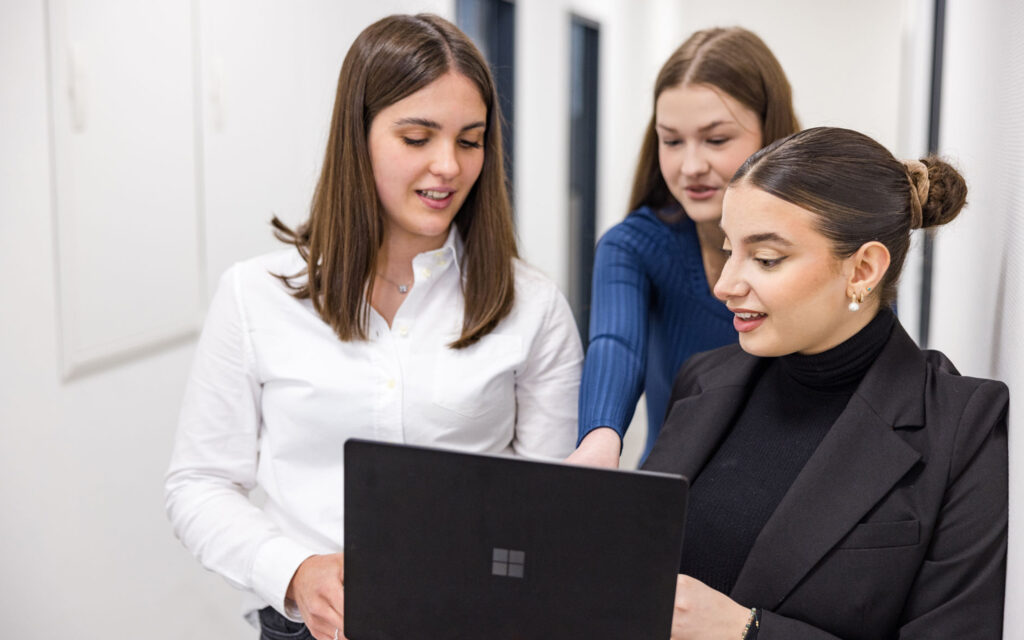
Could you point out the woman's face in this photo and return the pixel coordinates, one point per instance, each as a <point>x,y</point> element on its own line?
<point>427,151</point>
<point>704,135</point>
<point>786,288</point>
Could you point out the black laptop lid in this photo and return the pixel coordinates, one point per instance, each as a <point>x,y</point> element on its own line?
<point>440,544</point>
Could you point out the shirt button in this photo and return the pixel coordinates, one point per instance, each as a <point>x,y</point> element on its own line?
<point>391,383</point>
<point>425,272</point>
<point>403,331</point>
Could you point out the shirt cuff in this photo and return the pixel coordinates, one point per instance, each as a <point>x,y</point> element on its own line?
<point>272,571</point>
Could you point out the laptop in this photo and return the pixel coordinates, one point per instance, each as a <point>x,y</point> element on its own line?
<point>442,544</point>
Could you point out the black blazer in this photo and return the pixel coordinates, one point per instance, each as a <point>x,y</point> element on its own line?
<point>896,526</point>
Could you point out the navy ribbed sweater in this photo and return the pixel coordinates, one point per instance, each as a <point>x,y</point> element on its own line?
<point>651,310</point>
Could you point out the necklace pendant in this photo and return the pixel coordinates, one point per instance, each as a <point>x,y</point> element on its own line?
<point>403,288</point>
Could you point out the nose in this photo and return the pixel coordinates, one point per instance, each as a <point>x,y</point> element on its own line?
<point>694,161</point>
<point>445,163</point>
<point>731,284</point>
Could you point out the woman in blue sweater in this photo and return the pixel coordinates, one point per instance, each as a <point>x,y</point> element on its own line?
<point>718,98</point>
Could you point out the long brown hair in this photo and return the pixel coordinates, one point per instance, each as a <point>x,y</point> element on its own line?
<point>858,191</point>
<point>391,59</point>
<point>732,60</point>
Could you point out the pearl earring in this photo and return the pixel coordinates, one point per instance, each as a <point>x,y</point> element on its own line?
<point>855,300</point>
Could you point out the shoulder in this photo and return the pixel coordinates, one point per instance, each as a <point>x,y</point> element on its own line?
<point>716,367</point>
<point>265,267</point>
<point>951,388</point>
<point>533,286</point>
<point>964,402</point>
<point>957,416</point>
<point>257,278</point>
<point>641,226</point>
<point>540,314</point>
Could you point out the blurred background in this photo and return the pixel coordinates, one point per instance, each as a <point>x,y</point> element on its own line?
<point>145,145</point>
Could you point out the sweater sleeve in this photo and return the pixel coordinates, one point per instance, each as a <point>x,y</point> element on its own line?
<point>616,359</point>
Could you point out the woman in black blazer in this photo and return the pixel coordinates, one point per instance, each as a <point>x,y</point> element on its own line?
<point>844,483</point>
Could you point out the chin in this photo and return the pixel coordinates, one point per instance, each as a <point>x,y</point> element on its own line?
<point>760,348</point>
<point>703,211</point>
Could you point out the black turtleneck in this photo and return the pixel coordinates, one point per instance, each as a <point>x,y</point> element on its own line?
<point>791,407</point>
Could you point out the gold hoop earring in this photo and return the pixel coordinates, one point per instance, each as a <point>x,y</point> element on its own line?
<point>855,301</point>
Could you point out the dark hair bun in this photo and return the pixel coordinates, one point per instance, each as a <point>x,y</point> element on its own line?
<point>947,193</point>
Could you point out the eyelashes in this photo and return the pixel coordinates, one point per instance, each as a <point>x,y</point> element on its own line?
<point>769,263</point>
<point>419,142</point>
<point>714,142</point>
<point>764,263</point>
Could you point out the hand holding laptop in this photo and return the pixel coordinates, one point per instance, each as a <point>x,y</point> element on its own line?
<point>316,589</point>
<point>703,612</point>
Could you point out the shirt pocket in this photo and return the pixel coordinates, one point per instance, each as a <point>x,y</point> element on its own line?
<point>479,378</point>
<point>880,535</point>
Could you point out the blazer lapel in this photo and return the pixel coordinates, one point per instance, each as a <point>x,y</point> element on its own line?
<point>854,467</point>
<point>696,424</point>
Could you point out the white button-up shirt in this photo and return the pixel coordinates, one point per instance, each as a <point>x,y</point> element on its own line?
<point>274,394</point>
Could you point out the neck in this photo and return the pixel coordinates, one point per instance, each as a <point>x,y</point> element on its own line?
<point>844,365</point>
<point>857,322</point>
<point>394,259</point>
<point>711,237</point>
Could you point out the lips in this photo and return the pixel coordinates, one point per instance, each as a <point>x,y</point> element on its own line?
<point>700,191</point>
<point>434,195</point>
<point>745,321</point>
<point>436,198</point>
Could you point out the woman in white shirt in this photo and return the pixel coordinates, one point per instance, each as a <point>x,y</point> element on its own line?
<point>400,313</point>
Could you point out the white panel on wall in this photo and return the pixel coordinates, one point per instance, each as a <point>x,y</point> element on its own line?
<point>978,282</point>
<point>966,254</point>
<point>912,138</point>
<point>127,225</point>
<point>1007,347</point>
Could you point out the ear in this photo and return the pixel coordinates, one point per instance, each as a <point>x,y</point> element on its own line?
<point>867,267</point>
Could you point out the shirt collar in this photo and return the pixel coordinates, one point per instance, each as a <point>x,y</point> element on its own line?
<point>449,253</point>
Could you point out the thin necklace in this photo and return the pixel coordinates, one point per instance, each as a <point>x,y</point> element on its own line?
<point>402,288</point>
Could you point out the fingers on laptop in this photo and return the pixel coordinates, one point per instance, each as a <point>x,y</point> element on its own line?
<point>317,590</point>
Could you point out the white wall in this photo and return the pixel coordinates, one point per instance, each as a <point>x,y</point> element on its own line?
<point>967,254</point>
<point>86,548</point>
<point>978,290</point>
<point>269,72</point>
<point>629,31</point>
<point>839,77</point>
<point>842,58</point>
<point>87,551</point>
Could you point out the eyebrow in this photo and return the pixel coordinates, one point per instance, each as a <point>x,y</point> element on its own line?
<point>709,127</point>
<point>431,124</point>
<point>704,129</point>
<point>771,236</point>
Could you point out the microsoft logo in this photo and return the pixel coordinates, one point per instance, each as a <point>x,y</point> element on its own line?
<point>508,562</point>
